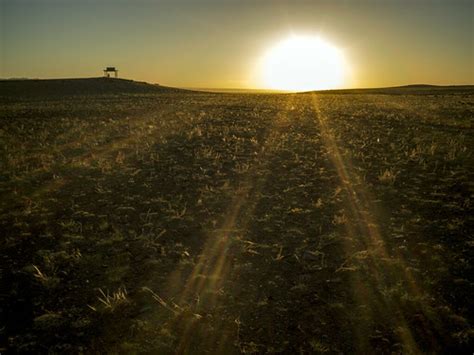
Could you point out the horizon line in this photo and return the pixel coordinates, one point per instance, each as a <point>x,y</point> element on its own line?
<point>234,89</point>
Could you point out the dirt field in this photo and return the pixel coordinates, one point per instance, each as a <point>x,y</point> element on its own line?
<point>181,222</point>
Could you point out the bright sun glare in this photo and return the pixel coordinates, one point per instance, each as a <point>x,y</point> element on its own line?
<point>302,63</point>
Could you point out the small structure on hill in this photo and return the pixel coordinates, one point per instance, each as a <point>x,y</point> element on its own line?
<point>109,70</point>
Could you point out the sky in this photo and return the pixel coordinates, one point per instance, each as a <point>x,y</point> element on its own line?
<point>221,43</point>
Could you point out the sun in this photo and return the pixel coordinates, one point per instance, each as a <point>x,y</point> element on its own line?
<point>302,63</point>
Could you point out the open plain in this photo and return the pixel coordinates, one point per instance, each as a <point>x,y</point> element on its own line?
<point>142,219</point>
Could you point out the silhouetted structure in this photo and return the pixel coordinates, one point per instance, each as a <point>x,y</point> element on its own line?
<point>109,70</point>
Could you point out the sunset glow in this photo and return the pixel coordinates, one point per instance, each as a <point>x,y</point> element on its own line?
<point>236,176</point>
<point>302,63</point>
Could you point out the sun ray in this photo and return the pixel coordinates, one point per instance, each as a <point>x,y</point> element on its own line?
<point>366,230</point>
<point>214,265</point>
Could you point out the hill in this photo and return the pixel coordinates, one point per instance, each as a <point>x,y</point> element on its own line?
<point>86,86</point>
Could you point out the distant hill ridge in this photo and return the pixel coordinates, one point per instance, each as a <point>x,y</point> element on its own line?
<point>86,86</point>
<point>42,88</point>
<point>412,89</point>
